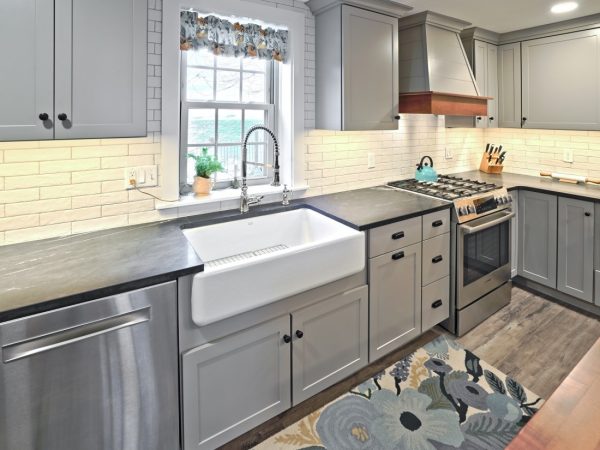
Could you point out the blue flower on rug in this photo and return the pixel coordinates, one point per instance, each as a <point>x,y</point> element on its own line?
<point>404,422</point>
<point>346,424</point>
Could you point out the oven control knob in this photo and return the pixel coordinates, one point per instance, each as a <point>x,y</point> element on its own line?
<point>500,200</point>
<point>471,209</point>
<point>461,211</point>
<point>509,198</point>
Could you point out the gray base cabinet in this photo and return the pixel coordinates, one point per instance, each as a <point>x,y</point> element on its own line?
<point>395,299</point>
<point>538,237</point>
<point>576,248</point>
<point>330,342</point>
<point>235,384</point>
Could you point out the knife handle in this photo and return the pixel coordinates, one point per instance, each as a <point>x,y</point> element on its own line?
<point>546,174</point>
<point>593,180</point>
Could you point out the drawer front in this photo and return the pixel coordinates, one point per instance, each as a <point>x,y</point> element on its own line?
<point>436,303</point>
<point>436,223</point>
<point>436,258</point>
<point>394,236</point>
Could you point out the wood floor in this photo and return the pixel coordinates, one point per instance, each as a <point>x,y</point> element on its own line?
<point>534,340</point>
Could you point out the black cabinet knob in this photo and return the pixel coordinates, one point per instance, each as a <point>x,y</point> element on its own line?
<point>299,334</point>
<point>62,117</point>
<point>398,235</point>
<point>397,117</point>
<point>397,256</point>
<point>491,119</point>
<point>287,339</point>
<point>437,259</point>
<point>437,223</point>
<point>588,214</point>
<point>43,117</point>
<point>437,304</point>
<point>478,118</point>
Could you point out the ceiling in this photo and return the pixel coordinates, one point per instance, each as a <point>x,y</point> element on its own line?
<point>502,16</point>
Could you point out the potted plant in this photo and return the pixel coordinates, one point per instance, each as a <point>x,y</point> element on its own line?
<point>205,166</point>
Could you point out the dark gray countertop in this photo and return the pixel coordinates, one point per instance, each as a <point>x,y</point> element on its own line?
<point>540,184</point>
<point>43,275</point>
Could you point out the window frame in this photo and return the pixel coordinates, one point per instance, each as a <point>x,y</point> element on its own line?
<point>185,106</point>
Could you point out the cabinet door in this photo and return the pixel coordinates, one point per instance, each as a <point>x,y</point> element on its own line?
<point>27,72</point>
<point>514,233</point>
<point>330,342</point>
<point>492,85</point>
<point>537,237</point>
<point>101,68</point>
<point>395,300</point>
<point>509,86</point>
<point>234,384</point>
<point>480,70</point>
<point>561,81</point>
<point>370,70</point>
<point>576,248</point>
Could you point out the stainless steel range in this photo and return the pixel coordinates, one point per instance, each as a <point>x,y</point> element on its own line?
<point>480,247</point>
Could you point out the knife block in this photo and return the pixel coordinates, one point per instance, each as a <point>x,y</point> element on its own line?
<point>490,166</point>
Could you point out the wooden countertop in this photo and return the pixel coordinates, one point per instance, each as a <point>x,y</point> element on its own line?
<point>570,417</point>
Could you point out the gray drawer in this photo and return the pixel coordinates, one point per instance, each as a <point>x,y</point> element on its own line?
<point>436,223</point>
<point>436,258</point>
<point>394,236</point>
<point>435,306</point>
<point>597,287</point>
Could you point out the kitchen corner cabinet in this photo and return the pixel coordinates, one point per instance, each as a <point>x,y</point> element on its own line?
<point>78,72</point>
<point>356,87</point>
<point>576,248</point>
<point>537,237</point>
<point>509,85</point>
<point>561,88</point>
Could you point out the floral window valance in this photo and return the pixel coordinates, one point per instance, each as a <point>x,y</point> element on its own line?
<point>232,39</point>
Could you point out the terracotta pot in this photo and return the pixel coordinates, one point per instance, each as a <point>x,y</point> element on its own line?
<point>202,186</point>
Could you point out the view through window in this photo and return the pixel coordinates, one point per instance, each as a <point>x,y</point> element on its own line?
<point>221,98</point>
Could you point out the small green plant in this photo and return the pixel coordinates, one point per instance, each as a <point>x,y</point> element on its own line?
<point>205,164</point>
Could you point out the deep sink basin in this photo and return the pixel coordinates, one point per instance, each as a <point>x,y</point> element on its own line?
<point>256,261</point>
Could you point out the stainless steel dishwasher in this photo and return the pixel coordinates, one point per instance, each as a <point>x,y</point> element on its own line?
<point>100,375</point>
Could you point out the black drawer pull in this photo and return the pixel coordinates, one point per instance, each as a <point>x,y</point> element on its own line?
<point>398,235</point>
<point>437,223</point>
<point>397,256</point>
<point>299,334</point>
<point>437,304</point>
<point>437,259</point>
<point>588,214</point>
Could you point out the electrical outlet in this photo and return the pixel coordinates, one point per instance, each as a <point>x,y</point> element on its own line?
<point>448,153</point>
<point>568,155</point>
<point>370,160</point>
<point>141,176</point>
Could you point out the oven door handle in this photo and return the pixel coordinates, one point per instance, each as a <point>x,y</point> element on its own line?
<point>467,229</point>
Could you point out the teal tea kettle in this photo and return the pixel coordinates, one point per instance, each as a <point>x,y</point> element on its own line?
<point>425,172</point>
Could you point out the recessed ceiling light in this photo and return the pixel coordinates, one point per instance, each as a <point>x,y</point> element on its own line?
<point>560,8</point>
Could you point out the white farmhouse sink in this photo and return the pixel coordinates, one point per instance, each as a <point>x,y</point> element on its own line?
<point>252,262</point>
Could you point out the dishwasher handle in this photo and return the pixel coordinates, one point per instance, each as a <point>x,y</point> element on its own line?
<point>29,347</point>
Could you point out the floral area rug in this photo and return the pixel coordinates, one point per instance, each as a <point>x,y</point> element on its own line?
<point>440,397</point>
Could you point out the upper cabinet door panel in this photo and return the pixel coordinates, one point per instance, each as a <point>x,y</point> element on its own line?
<point>509,85</point>
<point>561,81</point>
<point>26,69</point>
<point>492,85</point>
<point>101,57</point>
<point>370,70</point>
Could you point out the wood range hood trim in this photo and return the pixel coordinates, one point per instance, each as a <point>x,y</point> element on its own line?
<point>443,103</point>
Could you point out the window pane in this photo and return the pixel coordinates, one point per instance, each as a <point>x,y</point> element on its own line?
<point>230,126</point>
<point>230,157</point>
<point>200,58</point>
<point>255,117</point>
<point>257,154</point>
<point>228,86</point>
<point>254,88</point>
<point>201,126</point>
<point>259,65</point>
<point>191,170</point>
<point>200,83</point>
<point>228,62</point>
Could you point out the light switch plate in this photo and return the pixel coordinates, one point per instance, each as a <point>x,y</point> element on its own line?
<point>370,160</point>
<point>448,153</point>
<point>144,176</point>
<point>568,155</point>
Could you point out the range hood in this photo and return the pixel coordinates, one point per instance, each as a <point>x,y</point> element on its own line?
<point>435,75</point>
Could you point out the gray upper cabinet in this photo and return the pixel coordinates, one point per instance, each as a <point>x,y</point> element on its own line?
<point>576,248</point>
<point>395,299</point>
<point>101,60</point>
<point>509,85</point>
<point>561,81</point>
<point>537,237</point>
<point>330,342</point>
<point>356,69</point>
<point>26,75</point>
<point>236,383</point>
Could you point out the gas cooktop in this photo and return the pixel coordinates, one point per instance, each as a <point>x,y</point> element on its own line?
<point>447,187</point>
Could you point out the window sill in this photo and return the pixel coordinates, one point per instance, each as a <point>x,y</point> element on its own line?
<point>228,195</point>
